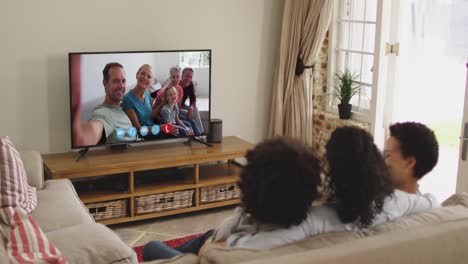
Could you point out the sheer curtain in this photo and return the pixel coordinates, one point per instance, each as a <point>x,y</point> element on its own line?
<point>305,24</point>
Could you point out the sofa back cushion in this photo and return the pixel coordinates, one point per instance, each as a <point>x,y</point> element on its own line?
<point>14,188</point>
<point>455,210</point>
<point>214,254</point>
<point>429,244</point>
<point>34,167</point>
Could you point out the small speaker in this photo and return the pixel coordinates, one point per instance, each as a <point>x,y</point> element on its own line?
<point>215,132</point>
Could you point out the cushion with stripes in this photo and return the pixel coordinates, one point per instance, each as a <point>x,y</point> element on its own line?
<point>25,242</point>
<point>14,188</point>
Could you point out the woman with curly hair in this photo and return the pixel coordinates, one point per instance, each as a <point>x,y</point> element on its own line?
<point>278,185</point>
<point>360,189</point>
<point>360,185</point>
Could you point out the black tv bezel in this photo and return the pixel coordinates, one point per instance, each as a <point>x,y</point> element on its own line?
<point>143,51</point>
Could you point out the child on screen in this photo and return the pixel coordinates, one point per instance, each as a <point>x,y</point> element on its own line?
<point>170,113</point>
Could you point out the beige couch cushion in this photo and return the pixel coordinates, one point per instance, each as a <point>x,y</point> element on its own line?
<point>444,243</point>
<point>455,208</point>
<point>434,216</point>
<point>91,243</point>
<point>34,169</point>
<point>58,206</point>
<point>457,199</point>
<point>214,254</point>
<point>454,211</point>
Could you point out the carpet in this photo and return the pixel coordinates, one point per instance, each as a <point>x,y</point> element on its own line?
<point>171,243</point>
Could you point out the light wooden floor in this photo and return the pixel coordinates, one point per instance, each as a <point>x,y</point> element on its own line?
<point>171,227</point>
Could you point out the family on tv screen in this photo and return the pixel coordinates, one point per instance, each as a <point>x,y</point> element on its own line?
<point>127,101</point>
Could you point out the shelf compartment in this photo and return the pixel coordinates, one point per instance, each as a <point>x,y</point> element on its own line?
<point>164,180</point>
<point>109,209</point>
<point>113,183</point>
<point>164,202</point>
<point>216,193</point>
<point>218,174</point>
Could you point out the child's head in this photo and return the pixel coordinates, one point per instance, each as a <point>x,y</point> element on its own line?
<point>170,95</point>
<point>358,177</point>
<point>175,75</point>
<point>279,182</point>
<point>411,152</point>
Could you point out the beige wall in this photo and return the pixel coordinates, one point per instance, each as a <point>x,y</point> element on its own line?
<point>36,36</point>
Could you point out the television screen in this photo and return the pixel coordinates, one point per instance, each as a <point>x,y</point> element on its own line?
<point>127,97</point>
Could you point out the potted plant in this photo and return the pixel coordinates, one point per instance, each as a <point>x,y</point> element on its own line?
<point>345,88</point>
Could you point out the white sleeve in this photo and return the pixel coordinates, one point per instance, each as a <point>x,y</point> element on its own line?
<point>403,203</point>
<point>266,240</point>
<point>419,203</point>
<point>228,226</point>
<point>318,220</point>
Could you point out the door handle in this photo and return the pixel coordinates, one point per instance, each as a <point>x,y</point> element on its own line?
<point>464,142</point>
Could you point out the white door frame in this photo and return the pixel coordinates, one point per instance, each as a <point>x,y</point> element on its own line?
<point>380,73</point>
<point>462,176</point>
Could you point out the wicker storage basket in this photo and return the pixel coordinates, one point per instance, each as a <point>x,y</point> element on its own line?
<point>106,210</point>
<point>219,193</point>
<point>163,202</point>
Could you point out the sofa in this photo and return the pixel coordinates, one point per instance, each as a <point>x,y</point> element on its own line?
<point>66,222</point>
<point>436,236</point>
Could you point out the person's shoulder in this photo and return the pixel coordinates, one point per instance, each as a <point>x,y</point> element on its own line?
<point>432,198</point>
<point>427,198</point>
<point>190,86</point>
<point>128,98</point>
<point>129,95</point>
<point>165,108</point>
<point>101,113</point>
<point>100,108</point>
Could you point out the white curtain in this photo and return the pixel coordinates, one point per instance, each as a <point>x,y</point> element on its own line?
<point>305,24</point>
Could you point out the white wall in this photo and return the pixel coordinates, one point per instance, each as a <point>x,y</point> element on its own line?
<point>36,37</point>
<point>163,63</point>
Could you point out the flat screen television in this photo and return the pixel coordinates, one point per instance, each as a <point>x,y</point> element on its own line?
<point>138,96</point>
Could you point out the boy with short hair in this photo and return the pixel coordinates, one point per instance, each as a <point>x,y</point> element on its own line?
<point>410,153</point>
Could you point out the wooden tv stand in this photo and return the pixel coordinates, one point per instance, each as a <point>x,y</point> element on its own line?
<point>201,165</point>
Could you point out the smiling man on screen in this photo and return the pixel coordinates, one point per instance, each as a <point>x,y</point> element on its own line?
<point>109,123</point>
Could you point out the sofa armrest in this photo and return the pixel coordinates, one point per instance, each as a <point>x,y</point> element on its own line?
<point>34,168</point>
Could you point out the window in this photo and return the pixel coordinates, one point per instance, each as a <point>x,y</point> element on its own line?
<point>352,46</point>
<point>195,59</point>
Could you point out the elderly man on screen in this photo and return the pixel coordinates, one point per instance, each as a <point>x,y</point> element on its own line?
<point>191,110</point>
<point>107,117</point>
